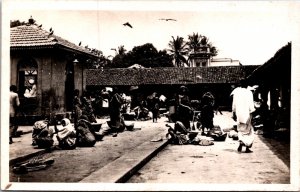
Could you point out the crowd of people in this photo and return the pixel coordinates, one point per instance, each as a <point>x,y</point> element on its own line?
<point>181,111</point>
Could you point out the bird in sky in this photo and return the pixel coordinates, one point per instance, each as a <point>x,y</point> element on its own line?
<point>127,24</point>
<point>168,19</point>
<point>79,43</point>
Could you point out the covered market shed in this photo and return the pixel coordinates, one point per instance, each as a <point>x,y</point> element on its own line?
<point>54,64</point>
<point>166,81</point>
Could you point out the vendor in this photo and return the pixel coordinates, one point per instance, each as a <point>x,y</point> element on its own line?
<point>31,90</point>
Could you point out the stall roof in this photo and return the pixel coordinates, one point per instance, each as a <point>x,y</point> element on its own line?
<point>167,75</point>
<point>275,67</point>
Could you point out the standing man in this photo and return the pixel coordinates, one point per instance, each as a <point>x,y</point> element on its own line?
<point>115,103</point>
<point>14,104</point>
<point>184,111</point>
<point>207,112</point>
<point>243,106</point>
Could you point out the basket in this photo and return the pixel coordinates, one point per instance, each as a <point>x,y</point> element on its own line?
<point>96,126</point>
<point>129,126</point>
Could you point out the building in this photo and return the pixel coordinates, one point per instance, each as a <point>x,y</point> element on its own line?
<point>224,62</point>
<point>203,58</point>
<point>55,64</point>
<point>200,58</point>
<point>274,80</point>
<point>167,80</point>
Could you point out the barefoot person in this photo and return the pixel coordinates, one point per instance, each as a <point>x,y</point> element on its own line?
<point>242,107</point>
<point>14,104</point>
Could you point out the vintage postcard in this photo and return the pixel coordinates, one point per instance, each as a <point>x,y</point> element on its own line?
<point>150,95</point>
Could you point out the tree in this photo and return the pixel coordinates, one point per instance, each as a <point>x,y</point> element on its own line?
<point>145,55</point>
<point>197,41</point>
<point>178,49</point>
<point>194,42</point>
<point>119,60</point>
<point>102,61</point>
<point>16,23</point>
<point>164,59</point>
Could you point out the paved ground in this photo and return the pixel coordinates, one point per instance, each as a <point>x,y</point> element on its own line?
<point>219,163</point>
<point>75,165</point>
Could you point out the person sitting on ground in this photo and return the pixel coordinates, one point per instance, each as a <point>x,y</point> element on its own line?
<point>142,112</point>
<point>66,136</point>
<point>181,136</point>
<point>42,134</point>
<point>85,133</point>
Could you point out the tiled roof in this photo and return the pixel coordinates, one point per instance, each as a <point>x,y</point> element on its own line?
<point>167,75</point>
<point>279,63</point>
<point>33,37</point>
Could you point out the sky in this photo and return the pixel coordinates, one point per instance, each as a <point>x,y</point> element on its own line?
<point>250,32</point>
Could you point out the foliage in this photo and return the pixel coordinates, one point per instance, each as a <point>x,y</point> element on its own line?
<point>145,55</point>
<point>194,42</point>
<point>178,50</point>
<point>197,41</point>
<point>16,23</point>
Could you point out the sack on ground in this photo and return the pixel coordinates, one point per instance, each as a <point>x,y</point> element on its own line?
<point>205,142</point>
<point>217,134</point>
<point>84,137</point>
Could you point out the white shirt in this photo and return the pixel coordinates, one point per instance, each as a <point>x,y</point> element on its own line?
<point>243,104</point>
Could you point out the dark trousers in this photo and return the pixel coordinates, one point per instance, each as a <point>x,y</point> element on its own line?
<point>13,127</point>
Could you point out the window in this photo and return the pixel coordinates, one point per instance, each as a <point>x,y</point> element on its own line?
<point>27,75</point>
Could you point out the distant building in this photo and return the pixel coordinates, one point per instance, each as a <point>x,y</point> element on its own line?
<point>224,62</point>
<point>203,58</point>
<point>55,64</point>
<point>200,58</point>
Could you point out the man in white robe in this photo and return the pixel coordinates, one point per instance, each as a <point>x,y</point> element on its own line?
<point>243,106</point>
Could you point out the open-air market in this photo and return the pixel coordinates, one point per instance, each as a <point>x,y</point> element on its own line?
<point>184,113</point>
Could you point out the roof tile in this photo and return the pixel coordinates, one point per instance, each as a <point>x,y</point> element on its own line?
<point>168,75</point>
<point>31,36</point>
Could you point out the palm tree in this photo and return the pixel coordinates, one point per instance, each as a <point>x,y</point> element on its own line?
<point>121,50</point>
<point>178,50</point>
<point>119,59</point>
<point>197,41</point>
<point>213,50</point>
<point>194,42</point>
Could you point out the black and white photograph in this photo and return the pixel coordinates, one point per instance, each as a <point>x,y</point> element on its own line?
<point>150,95</point>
